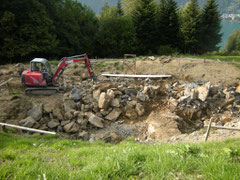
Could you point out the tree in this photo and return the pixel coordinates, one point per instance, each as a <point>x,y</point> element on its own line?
<point>211,27</point>
<point>119,8</point>
<point>115,35</point>
<point>233,42</point>
<point>129,6</point>
<point>191,27</point>
<point>76,26</point>
<point>167,24</point>
<point>144,22</point>
<point>25,33</point>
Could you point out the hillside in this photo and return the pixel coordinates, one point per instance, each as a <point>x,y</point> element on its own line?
<point>96,5</point>
<point>225,6</point>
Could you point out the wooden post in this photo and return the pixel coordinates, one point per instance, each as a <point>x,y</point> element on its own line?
<point>208,130</point>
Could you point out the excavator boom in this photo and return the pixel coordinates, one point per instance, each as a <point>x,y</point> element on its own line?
<point>69,60</point>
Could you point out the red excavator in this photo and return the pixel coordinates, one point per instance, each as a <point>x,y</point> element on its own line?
<point>39,77</point>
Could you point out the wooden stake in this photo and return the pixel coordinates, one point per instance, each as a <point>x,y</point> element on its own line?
<point>208,130</point>
<point>27,129</point>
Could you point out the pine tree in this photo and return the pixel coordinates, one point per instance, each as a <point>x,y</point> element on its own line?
<point>167,24</point>
<point>144,21</point>
<point>119,8</point>
<point>211,27</point>
<point>191,27</point>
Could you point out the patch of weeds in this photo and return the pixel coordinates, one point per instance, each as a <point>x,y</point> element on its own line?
<point>117,66</point>
<point>15,91</point>
<point>238,66</point>
<point>188,150</point>
<point>232,154</point>
<point>75,66</point>
<point>100,64</point>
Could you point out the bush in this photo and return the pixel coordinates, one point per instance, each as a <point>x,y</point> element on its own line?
<point>166,50</point>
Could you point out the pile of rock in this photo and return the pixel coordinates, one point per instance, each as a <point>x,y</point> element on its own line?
<point>87,106</point>
<point>190,105</point>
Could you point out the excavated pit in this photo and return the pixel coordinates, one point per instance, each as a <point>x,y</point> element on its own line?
<point>116,108</point>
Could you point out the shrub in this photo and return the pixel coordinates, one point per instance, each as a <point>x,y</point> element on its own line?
<point>166,50</point>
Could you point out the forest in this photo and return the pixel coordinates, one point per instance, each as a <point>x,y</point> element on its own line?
<point>225,6</point>
<point>55,28</point>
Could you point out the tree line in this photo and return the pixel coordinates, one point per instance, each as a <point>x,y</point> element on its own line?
<point>56,28</point>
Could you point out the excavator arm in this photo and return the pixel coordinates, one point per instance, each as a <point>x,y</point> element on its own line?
<point>65,61</point>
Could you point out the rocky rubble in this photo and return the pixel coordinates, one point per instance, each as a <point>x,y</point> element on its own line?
<point>87,108</point>
<point>152,109</point>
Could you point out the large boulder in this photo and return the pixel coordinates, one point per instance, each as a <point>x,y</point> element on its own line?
<point>48,108</point>
<point>114,114</point>
<point>105,100</point>
<point>58,114</point>
<point>238,89</point>
<point>142,97</point>
<point>84,135</point>
<point>162,124</point>
<point>131,92</point>
<point>140,109</point>
<point>104,86</point>
<point>53,123</point>
<point>72,127</point>
<point>115,103</point>
<point>131,114</point>
<point>75,95</point>
<point>28,122</point>
<point>96,121</point>
<point>203,91</point>
<point>36,112</point>
<point>96,94</point>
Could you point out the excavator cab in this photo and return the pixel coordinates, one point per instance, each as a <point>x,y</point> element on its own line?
<point>42,65</point>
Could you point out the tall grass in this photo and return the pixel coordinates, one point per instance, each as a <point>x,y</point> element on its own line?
<point>31,157</point>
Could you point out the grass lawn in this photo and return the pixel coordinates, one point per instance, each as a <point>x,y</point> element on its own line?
<point>215,57</point>
<point>33,156</point>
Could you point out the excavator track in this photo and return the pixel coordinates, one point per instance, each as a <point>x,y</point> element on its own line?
<point>41,91</point>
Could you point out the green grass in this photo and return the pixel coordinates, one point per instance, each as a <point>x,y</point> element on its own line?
<point>31,157</point>
<point>216,57</point>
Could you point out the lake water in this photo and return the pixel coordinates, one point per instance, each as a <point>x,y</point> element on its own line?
<point>227,29</point>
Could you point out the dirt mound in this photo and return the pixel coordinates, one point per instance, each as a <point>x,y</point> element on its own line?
<point>196,70</point>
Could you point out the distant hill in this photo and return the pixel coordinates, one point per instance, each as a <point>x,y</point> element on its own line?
<point>225,6</point>
<point>96,5</point>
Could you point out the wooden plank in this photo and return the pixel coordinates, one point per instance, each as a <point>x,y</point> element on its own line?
<point>226,128</point>
<point>208,130</point>
<point>137,76</point>
<point>27,129</point>
<point>5,82</point>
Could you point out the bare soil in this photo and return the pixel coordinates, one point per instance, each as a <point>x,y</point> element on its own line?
<point>14,103</point>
